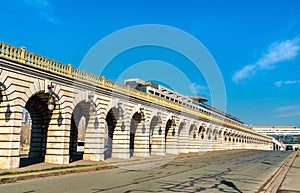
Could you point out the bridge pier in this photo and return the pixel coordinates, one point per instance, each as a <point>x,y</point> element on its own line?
<point>157,141</point>
<point>10,124</point>
<point>171,145</point>
<point>120,147</point>
<point>183,142</point>
<point>58,137</point>
<point>141,146</point>
<point>93,149</point>
<point>9,147</point>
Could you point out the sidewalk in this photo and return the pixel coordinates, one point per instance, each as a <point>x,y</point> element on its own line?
<point>291,182</point>
<point>45,169</point>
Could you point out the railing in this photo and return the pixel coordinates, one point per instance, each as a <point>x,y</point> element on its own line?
<point>30,59</point>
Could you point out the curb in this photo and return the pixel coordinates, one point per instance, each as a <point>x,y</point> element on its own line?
<point>42,174</point>
<point>274,182</point>
<point>12,178</point>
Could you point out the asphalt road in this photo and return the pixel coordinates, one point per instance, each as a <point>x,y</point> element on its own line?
<point>243,171</point>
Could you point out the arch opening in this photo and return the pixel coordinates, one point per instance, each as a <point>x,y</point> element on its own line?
<point>201,132</point>
<point>80,120</point>
<point>137,122</point>
<point>155,141</point>
<point>192,131</point>
<point>35,123</point>
<point>111,120</point>
<point>183,137</point>
<point>169,132</point>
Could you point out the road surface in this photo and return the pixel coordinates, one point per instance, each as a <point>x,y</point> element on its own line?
<point>243,171</point>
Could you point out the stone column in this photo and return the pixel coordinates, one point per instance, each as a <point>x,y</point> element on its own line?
<point>10,123</point>
<point>215,144</point>
<point>201,138</point>
<point>120,147</point>
<point>157,147</point>
<point>171,143</point>
<point>183,142</point>
<point>58,138</point>
<point>93,148</point>
<point>141,140</point>
<point>221,141</point>
<point>193,142</point>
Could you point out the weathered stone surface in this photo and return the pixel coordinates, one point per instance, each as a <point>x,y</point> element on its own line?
<point>31,83</point>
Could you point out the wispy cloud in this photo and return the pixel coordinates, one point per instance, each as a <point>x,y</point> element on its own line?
<point>38,3</point>
<point>286,82</point>
<point>44,9</point>
<point>287,111</point>
<point>199,89</point>
<point>277,52</point>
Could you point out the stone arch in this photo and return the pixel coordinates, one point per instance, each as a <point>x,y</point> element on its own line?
<point>113,121</point>
<point>193,138</point>
<point>137,144</point>
<point>201,132</point>
<point>156,139</point>
<point>33,150</point>
<point>215,134</point>
<point>170,136</point>
<point>209,132</point>
<point>220,132</point>
<point>83,117</point>
<point>225,135</point>
<point>183,138</point>
<point>181,128</point>
<point>192,131</point>
<point>243,138</point>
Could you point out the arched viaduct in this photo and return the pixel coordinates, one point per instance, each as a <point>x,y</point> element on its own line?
<point>119,121</point>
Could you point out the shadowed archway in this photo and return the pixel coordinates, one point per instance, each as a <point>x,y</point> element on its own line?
<point>81,118</point>
<point>136,128</point>
<point>155,136</point>
<point>170,134</point>
<point>34,138</point>
<point>183,138</point>
<point>111,119</point>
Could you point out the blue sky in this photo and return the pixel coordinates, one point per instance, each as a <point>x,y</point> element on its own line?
<point>256,45</point>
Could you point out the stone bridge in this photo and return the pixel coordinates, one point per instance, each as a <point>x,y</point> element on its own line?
<point>118,121</point>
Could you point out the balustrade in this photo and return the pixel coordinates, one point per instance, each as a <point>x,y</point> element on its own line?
<point>33,60</point>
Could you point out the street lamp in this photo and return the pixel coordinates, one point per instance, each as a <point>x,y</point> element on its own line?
<point>96,124</point>
<point>60,119</point>
<point>123,126</point>
<point>173,132</point>
<point>51,103</point>
<point>159,130</point>
<point>8,113</point>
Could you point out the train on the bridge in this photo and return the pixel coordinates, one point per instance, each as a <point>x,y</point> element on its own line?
<point>194,102</point>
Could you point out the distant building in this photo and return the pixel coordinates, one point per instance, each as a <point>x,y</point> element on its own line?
<point>26,117</point>
<point>284,134</point>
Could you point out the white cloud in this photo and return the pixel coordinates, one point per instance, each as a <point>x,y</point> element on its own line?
<point>286,108</point>
<point>286,82</point>
<point>245,72</point>
<point>277,52</point>
<point>287,111</point>
<point>44,9</point>
<point>38,3</point>
<point>49,17</point>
